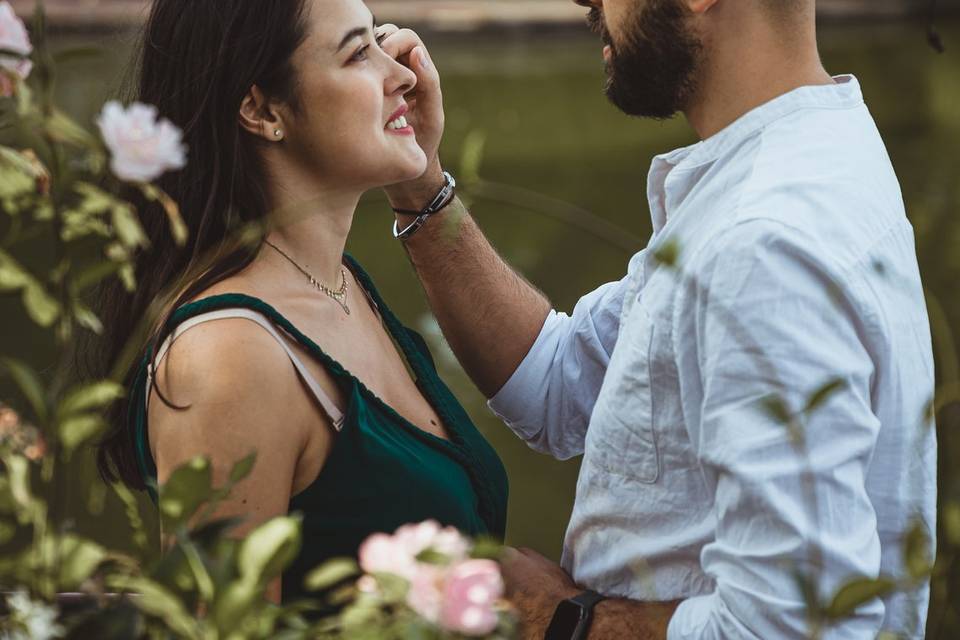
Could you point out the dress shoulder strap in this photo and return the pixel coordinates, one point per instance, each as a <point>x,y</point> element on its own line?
<point>328,406</point>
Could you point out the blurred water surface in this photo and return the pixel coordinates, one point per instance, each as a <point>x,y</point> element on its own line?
<point>537,100</point>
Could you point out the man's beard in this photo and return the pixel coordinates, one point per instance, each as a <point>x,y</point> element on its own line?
<point>653,72</point>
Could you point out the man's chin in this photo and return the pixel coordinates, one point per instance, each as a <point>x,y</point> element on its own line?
<point>634,103</point>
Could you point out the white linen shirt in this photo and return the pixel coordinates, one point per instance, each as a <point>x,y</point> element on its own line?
<point>796,266</point>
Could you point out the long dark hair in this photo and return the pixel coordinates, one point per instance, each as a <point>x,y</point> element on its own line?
<point>197,61</point>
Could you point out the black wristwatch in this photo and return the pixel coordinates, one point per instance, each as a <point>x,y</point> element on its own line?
<point>571,620</point>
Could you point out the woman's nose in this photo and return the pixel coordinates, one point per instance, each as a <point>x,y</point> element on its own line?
<point>401,80</point>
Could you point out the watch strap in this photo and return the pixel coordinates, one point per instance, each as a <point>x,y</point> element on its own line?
<point>585,602</point>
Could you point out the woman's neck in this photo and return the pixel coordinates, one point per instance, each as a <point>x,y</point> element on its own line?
<point>312,230</point>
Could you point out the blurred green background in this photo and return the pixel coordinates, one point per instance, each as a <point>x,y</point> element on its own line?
<point>536,100</point>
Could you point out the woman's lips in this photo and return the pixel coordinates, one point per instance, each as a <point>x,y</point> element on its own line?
<point>397,124</point>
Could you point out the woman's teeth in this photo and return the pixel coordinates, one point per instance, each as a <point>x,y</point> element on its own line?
<point>399,123</point>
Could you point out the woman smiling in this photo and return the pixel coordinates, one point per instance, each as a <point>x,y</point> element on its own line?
<point>291,111</point>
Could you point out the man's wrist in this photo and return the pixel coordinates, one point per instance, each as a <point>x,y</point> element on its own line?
<point>415,194</point>
<point>573,616</point>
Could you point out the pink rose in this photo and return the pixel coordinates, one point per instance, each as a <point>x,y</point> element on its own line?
<point>397,554</point>
<point>13,37</point>
<point>417,538</point>
<point>425,596</point>
<point>143,148</point>
<point>381,553</point>
<point>471,591</point>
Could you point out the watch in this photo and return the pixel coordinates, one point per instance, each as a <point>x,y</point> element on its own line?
<point>571,620</point>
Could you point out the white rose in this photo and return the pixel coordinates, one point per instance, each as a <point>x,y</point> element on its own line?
<point>142,147</point>
<point>13,37</point>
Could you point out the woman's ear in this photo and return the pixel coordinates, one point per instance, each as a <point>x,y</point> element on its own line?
<point>260,117</point>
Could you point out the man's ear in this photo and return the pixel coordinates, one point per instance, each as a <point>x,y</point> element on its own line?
<point>699,7</point>
<point>260,117</point>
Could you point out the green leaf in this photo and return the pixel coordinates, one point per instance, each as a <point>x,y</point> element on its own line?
<point>29,384</point>
<point>16,160</point>
<point>487,548</point>
<point>235,603</point>
<point>29,508</point>
<point>86,397</point>
<point>77,429</point>
<point>857,593</point>
<point>188,487</point>
<point>668,254</point>
<point>7,531</point>
<point>41,306</point>
<point>13,277</point>
<point>128,277</point>
<point>776,407</point>
<point>471,157</point>
<point>87,319</point>
<point>92,275</point>
<point>62,128</point>
<point>824,393</point>
<point>93,199</point>
<point>79,558</point>
<point>331,573</point>
<point>243,468</point>
<point>430,556</point>
<point>269,549</point>
<point>128,228</point>
<point>393,589</point>
<point>155,600</point>
<point>916,551</point>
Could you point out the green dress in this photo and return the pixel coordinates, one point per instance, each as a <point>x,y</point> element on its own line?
<point>382,471</point>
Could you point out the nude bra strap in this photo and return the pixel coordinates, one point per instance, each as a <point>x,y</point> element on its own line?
<point>335,415</point>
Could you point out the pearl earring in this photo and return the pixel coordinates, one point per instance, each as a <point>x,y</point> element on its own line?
<point>277,132</point>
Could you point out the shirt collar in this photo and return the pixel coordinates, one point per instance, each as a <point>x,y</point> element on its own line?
<point>845,93</point>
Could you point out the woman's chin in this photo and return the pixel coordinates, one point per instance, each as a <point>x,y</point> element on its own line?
<point>414,166</point>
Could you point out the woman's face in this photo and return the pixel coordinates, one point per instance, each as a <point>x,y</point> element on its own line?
<point>351,96</point>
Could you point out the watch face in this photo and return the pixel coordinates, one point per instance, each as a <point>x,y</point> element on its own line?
<point>565,621</point>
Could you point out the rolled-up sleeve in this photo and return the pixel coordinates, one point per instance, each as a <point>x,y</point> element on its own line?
<point>763,315</point>
<point>548,400</point>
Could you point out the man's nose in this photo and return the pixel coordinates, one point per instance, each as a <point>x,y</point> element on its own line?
<point>590,3</point>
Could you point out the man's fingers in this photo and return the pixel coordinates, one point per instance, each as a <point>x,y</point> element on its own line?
<point>388,29</point>
<point>427,75</point>
<point>400,42</point>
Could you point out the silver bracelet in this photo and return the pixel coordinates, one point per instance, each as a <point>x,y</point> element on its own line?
<point>439,202</point>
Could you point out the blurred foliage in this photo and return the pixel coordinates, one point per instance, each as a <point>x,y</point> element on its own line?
<point>552,160</point>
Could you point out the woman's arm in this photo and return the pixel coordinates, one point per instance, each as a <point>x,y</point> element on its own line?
<point>243,396</point>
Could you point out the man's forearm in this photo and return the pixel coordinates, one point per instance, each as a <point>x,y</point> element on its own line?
<point>617,618</point>
<point>489,314</point>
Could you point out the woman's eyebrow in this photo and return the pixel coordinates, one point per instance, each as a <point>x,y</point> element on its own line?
<point>355,33</point>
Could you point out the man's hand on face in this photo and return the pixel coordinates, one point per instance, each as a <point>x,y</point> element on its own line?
<point>425,115</point>
<point>535,586</point>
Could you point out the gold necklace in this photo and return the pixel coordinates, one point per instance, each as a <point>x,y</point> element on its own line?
<point>340,296</point>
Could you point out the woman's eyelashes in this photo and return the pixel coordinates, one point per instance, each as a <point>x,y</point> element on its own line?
<point>361,53</point>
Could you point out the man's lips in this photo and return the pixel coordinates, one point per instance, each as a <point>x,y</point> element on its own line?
<point>607,53</point>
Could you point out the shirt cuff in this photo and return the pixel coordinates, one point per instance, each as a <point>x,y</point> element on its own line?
<point>519,403</point>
